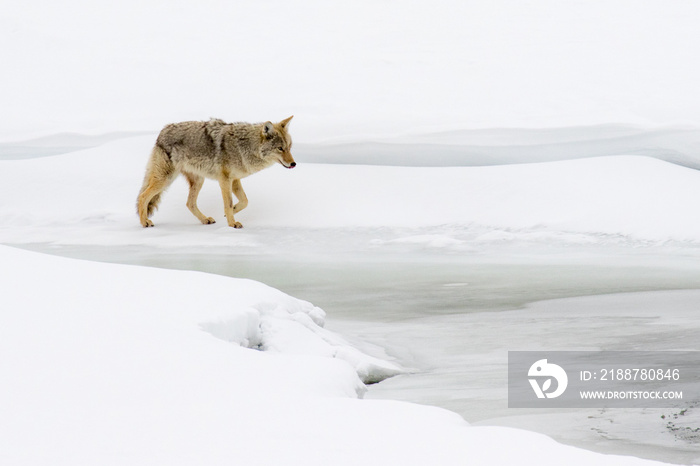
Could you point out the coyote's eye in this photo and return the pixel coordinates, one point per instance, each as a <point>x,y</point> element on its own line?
<point>281,149</point>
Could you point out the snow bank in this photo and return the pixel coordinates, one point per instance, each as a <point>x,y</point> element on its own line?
<point>88,197</point>
<point>242,312</point>
<point>112,365</point>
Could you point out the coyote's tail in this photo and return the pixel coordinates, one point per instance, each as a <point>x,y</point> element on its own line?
<point>160,172</point>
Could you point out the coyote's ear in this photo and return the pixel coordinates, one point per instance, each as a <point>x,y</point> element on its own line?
<point>268,129</point>
<point>284,123</point>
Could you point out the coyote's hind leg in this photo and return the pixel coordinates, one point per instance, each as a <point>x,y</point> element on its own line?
<point>160,173</point>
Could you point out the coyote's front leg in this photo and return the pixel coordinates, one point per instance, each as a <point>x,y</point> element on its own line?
<point>240,195</point>
<point>225,184</point>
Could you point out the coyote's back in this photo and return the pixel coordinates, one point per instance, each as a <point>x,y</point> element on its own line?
<point>225,152</point>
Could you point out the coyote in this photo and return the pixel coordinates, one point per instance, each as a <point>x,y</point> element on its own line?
<point>216,150</point>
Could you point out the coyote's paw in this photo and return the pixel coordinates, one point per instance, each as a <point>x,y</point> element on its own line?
<point>208,221</point>
<point>236,225</point>
<point>147,223</point>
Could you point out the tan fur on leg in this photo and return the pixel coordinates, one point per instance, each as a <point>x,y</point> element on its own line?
<point>196,183</point>
<point>240,195</point>
<point>160,173</point>
<point>225,185</point>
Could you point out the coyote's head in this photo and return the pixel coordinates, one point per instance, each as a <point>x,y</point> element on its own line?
<point>277,143</point>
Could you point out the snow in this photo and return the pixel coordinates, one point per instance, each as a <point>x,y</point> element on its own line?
<point>88,197</point>
<point>115,364</point>
<point>366,69</point>
<point>147,363</point>
<point>450,127</point>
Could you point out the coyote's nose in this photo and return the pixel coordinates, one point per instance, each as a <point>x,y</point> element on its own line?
<point>292,165</point>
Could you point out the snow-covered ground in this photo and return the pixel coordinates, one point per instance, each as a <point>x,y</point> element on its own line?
<point>114,364</point>
<point>146,331</point>
<point>456,158</point>
<point>88,197</point>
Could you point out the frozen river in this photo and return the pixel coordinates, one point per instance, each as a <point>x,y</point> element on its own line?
<point>451,316</point>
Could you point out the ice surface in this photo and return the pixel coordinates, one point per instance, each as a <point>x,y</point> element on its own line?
<point>470,364</point>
